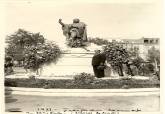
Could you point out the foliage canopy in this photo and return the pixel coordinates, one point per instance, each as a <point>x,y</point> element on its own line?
<point>31,48</point>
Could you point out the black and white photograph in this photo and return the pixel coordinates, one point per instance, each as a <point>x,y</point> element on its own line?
<point>82,57</point>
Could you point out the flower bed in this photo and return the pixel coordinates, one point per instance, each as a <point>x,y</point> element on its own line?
<point>89,84</point>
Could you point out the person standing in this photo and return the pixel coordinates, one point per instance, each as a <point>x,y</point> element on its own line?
<point>8,66</point>
<point>128,64</point>
<point>98,62</point>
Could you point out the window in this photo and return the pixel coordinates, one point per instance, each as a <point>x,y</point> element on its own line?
<point>151,41</point>
<point>146,41</point>
<point>156,41</point>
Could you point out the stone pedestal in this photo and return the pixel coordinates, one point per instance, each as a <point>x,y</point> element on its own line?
<point>73,61</point>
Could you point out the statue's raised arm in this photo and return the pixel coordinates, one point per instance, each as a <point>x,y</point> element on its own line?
<point>60,21</point>
<point>65,29</point>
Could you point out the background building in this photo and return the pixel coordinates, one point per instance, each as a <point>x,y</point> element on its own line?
<point>141,45</point>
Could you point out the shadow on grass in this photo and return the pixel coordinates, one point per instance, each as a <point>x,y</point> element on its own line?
<point>13,110</point>
<point>9,99</point>
<point>8,96</point>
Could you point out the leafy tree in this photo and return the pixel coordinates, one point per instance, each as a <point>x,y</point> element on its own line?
<point>32,49</point>
<point>24,38</point>
<point>19,40</point>
<point>153,55</point>
<point>116,56</point>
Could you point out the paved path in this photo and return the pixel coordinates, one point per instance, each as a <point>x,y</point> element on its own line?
<point>82,92</point>
<point>71,77</point>
<point>127,103</point>
<point>20,73</point>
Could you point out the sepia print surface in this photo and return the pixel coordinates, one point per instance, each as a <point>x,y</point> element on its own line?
<point>82,57</point>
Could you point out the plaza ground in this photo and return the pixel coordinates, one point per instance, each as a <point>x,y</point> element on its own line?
<point>31,103</point>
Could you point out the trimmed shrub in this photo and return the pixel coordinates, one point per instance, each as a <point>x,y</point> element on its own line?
<point>83,79</point>
<point>34,57</point>
<point>146,69</point>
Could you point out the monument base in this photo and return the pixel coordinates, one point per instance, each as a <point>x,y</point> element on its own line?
<point>74,61</point>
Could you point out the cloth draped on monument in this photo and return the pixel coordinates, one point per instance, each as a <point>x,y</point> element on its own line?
<point>97,60</point>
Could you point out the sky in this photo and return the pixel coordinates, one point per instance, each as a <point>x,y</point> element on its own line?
<point>104,19</point>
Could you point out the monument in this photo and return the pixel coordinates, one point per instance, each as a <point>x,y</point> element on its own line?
<point>75,33</point>
<point>77,56</point>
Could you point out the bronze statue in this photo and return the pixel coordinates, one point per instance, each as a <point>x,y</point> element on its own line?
<point>75,33</point>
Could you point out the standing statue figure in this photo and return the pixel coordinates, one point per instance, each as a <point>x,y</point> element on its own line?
<point>75,33</point>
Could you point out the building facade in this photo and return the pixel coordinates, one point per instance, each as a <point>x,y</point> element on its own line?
<point>141,45</point>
